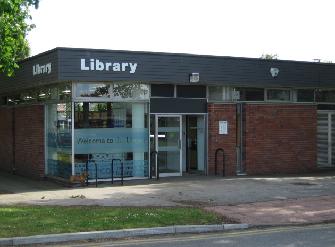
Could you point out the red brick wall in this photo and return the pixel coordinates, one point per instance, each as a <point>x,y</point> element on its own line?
<point>280,138</point>
<point>6,139</point>
<point>216,113</point>
<point>29,140</point>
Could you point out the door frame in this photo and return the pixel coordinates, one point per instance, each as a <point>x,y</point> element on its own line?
<point>330,123</point>
<point>180,173</point>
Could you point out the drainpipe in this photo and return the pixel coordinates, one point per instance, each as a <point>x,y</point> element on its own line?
<point>13,140</point>
<point>240,169</point>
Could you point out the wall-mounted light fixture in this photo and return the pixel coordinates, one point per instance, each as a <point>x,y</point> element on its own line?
<point>274,72</point>
<point>194,77</point>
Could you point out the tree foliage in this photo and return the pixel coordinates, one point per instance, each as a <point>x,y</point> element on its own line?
<point>14,27</point>
<point>269,56</point>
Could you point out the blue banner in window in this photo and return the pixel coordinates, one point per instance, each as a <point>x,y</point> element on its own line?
<point>110,140</point>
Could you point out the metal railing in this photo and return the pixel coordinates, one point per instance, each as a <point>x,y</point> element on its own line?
<point>96,171</point>
<point>92,161</point>
<point>112,168</point>
<point>153,167</point>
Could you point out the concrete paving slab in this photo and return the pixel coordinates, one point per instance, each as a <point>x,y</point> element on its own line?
<point>180,191</point>
<point>292,211</point>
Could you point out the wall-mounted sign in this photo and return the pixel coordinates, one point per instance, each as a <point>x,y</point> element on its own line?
<point>236,95</point>
<point>41,69</point>
<point>110,140</point>
<point>223,127</point>
<point>97,65</point>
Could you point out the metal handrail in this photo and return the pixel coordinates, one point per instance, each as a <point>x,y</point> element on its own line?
<point>96,171</point>
<point>112,168</point>
<point>223,161</point>
<point>151,167</point>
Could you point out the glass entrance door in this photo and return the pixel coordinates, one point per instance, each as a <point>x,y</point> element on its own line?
<point>168,145</point>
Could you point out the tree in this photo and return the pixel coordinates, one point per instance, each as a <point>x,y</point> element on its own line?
<point>269,56</point>
<point>318,60</point>
<point>14,27</point>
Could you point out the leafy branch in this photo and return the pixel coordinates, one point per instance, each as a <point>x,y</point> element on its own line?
<point>14,27</point>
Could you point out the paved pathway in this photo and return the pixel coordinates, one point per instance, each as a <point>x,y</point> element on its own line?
<point>293,211</point>
<point>185,191</point>
<point>254,200</point>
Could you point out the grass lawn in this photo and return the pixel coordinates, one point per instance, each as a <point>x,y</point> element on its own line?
<point>32,220</point>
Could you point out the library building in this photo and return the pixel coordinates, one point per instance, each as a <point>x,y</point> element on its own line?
<point>111,115</point>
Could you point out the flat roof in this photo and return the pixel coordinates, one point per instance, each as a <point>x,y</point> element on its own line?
<point>74,65</point>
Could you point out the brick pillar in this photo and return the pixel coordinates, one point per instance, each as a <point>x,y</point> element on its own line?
<point>6,137</point>
<point>29,140</point>
<point>216,113</point>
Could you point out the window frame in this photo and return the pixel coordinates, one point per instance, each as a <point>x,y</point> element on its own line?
<point>105,99</point>
<point>296,95</point>
<point>266,99</point>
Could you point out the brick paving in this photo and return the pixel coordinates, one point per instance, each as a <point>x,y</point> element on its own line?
<point>291,211</point>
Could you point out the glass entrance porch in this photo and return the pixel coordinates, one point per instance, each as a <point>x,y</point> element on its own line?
<point>169,145</point>
<point>100,124</point>
<point>179,141</point>
<point>104,123</point>
<point>108,131</point>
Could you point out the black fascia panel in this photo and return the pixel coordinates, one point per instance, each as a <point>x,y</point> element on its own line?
<point>74,65</point>
<point>177,105</point>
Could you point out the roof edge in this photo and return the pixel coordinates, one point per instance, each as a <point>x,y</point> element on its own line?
<point>175,54</point>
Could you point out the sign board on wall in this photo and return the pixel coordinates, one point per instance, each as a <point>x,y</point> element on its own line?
<point>223,127</point>
<point>236,95</point>
<point>98,65</point>
<point>41,69</point>
<point>110,140</point>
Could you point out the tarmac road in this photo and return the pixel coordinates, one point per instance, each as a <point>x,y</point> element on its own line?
<point>303,236</point>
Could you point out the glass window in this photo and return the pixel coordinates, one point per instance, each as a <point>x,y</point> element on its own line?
<point>251,94</point>
<point>13,99</point>
<point>103,115</point>
<point>47,93</point>
<point>3,100</point>
<point>92,90</point>
<point>323,95</point>
<point>44,94</point>
<point>215,93</point>
<point>111,132</point>
<point>64,92</point>
<point>54,93</point>
<point>278,94</point>
<point>186,91</point>
<point>113,91</point>
<point>305,95</point>
<point>29,97</point>
<point>59,140</point>
<point>134,91</point>
<point>162,90</point>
